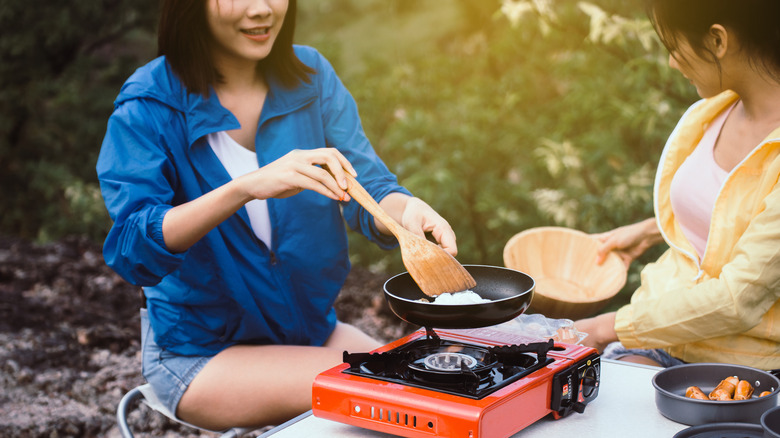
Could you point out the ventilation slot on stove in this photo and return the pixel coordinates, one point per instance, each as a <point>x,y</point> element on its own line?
<point>392,416</point>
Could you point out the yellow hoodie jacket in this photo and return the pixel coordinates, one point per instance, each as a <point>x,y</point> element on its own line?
<point>726,306</point>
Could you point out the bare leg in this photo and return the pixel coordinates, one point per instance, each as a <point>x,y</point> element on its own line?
<point>348,337</point>
<point>256,385</point>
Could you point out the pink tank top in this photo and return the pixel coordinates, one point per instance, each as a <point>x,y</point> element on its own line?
<point>696,185</point>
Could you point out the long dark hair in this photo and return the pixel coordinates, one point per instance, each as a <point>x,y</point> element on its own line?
<point>184,40</point>
<point>755,23</point>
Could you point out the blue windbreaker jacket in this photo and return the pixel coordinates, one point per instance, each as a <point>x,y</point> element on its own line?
<point>229,287</point>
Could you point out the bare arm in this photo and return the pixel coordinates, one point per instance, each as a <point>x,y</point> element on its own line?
<point>600,330</point>
<point>299,170</point>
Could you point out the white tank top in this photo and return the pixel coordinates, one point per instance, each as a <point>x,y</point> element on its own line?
<point>696,185</point>
<point>238,161</point>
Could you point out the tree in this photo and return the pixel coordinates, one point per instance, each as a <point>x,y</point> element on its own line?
<point>62,65</point>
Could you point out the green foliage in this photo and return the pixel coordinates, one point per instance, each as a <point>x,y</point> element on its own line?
<point>503,115</point>
<point>553,114</point>
<point>63,64</point>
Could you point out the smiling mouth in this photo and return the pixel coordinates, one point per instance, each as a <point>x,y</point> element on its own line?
<point>257,31</point>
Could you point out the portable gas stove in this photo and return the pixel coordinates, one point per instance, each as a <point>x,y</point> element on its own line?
<point>457,384</point>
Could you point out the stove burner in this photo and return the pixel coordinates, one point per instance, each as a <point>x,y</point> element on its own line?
<point>458,368</point>
<point>454,362</point>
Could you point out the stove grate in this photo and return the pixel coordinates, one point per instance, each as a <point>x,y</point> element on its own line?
<point>496,367</point>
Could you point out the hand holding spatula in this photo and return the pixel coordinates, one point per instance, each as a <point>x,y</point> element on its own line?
<point>431,267</point>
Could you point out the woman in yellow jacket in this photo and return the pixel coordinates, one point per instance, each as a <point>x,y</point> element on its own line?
<point>714,295</point>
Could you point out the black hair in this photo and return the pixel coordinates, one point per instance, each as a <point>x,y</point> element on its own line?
<point>754,22</point>
<point>184,40</point>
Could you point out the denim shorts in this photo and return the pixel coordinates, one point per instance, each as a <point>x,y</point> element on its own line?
<point>616,350</point>
<point>168,373</point>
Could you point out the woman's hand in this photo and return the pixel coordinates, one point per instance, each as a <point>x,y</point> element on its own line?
<point>419,218</point>
<point>297,171</point>
<point>630,241</point>
<point>600,330</point>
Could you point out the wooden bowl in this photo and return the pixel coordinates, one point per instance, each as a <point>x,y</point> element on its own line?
<point>562,261</point>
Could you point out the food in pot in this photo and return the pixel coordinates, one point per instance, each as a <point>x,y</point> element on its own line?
<point>730,388</point>
<point>743,391</point>
<point>462,297</point>
<point>725,389</point>
<point>695,392</point>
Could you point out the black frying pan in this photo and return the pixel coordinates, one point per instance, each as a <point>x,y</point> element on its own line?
<point>510,293</point>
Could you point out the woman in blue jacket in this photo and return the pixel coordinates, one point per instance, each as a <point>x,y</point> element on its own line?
<point>211,170</point>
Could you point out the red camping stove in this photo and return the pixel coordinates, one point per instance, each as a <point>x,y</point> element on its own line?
<point>457,383</point>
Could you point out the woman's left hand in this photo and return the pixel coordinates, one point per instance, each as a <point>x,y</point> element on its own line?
<point>419,218</point>
<point>600,330</point>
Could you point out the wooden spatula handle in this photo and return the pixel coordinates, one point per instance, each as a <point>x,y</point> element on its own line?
<point>363,198</point>
<point>431,267</point>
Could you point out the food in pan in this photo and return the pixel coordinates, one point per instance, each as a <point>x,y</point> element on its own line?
<point>730,388</point>
<point>462,297</point>
<point>695,392</point>
<point>743,391</point>
<point>725,389</point>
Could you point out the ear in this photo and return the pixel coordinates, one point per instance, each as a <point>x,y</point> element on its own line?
<point>717,40</point>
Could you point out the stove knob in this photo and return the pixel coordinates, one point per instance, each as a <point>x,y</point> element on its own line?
<point>589,382</point>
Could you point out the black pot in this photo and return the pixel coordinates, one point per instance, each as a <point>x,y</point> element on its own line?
<point>510,293</point>
<point>670,385</point>
<point>770,421</point>
<point>722,430</point>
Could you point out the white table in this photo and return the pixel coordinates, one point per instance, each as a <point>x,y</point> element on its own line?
<point>625,406</point>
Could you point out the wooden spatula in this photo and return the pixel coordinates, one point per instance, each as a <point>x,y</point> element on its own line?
<point>431,267</point>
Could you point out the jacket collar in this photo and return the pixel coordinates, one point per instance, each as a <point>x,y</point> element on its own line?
<point>205,115</point>
<point>681,143</point>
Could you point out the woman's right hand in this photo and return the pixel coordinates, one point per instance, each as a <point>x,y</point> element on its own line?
<point>300,170</point>
<point>629,241</point>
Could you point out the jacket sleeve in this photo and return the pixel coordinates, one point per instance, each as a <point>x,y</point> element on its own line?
<point>667,310</point>
<point>136,176</point>
<point>344,131</point>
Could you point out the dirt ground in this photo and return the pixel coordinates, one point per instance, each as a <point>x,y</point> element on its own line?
<point>69,340</point>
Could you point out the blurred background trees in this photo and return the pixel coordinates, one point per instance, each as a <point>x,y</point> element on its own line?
<point>62,65</point>
<point>503,115</point>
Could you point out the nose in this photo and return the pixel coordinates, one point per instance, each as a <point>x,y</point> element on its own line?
<point>258,8</point>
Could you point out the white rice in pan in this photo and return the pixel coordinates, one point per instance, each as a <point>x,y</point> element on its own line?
<point>463,297</point>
